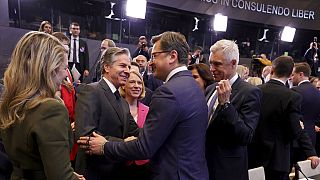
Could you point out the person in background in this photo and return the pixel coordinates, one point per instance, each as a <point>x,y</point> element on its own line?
<point>311,56</point>
<point>313,80</point>
<point>105,44</point>
<point>201,73</point>
<point>254,81</point>
<point>79,53</point>
<point>142,48</point>
<point>34,125</point>
<point>133,92</point>
<point>196,57</point>
<point>279,124</point>
<point>148,95</point>
<point>265,75</point>
<point>46,27</point>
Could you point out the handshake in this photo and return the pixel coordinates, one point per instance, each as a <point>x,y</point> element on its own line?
<point>94,144</point>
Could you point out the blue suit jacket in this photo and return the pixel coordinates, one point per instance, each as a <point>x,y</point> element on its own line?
<point>230,131</point>
<point>173,136</point>
<point>309,107</point>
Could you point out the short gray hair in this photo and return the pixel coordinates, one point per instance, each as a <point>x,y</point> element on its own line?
<point>229,49</point>
<point>108,56</point>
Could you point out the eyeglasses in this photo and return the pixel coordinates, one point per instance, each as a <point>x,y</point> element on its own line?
<point>154,54</point>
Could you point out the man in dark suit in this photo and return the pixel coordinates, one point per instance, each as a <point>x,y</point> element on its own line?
<point>173,135</point>
<point>309,108</point>
<point>234,107</point>
<point>310,98</point>
<point>78,53</point>
<point>100,109</point>
<point>279,124</point>
<point>311,56</point>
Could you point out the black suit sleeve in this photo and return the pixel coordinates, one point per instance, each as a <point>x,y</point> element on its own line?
<point>241,123</point>
<point>294,109</point>
<point>87,111</point>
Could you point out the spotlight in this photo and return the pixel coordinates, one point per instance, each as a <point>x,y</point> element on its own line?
<point>220,22</point>
<point>136,8</point>
<point>288,34</point>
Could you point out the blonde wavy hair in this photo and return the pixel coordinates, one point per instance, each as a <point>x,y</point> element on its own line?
<point>30,77</point>
<point>143,89</point>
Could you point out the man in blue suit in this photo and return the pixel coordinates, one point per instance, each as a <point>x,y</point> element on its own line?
<point>173,136</point>
<point>310,98</point>
<point>234,107</point>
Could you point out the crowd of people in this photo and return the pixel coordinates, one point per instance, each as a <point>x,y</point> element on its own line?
<point>160,113</point>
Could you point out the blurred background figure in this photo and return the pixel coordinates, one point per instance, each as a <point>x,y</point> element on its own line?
<point>312,58</point>
<point>243,72</point>
<point>202,74</point>
<point>78,54</point>
<point>143,64</point>
<point>142,48</point>
<point>105,44</point>
<point>254,81</point>
<point>46,27</point>
<point>133,92</point>
<point>148,95</point>
<point>31,116</point>
<point>314,80</point>
<point>265,75</point>
<point>196,57</point>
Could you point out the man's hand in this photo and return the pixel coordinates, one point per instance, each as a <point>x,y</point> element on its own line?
<point>80,177</point>
<point>93,144</point>
<point>301,124</point>
<point>73,126</point>
<point>314,161</point>
<point>317,129</point>
<point>224,91</point>
<point>131,138</point>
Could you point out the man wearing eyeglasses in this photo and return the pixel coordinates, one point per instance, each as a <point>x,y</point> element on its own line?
<point>173,135</point>
<point>78,54</point>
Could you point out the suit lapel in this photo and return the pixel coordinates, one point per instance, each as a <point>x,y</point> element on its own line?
<point>112,99</point>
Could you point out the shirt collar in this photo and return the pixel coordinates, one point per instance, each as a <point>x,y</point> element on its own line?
<point>303,81</point>
<point>283,82</point>
<point>175,71</point>
<point>75,38</point>
<point>233,79</point>
<point>111,86</point>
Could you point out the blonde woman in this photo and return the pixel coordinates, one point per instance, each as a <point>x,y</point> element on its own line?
<point>133,92</point>
<point>34,125</point>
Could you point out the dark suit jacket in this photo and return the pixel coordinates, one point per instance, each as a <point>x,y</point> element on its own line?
<point>39,146</point>
<point>309,108</point>
<point>98,110</point>
<point>147,98</point>
<point>278,126</point>
<point>230,131</point>
<point>173,135</point>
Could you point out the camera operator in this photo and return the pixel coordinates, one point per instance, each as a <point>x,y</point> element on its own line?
<point>197,57</point>
<point>312,58</point>
<point>142,48</point>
